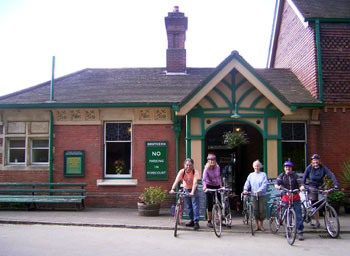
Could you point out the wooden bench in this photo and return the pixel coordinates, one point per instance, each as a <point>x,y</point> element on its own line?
<point>33,193</point>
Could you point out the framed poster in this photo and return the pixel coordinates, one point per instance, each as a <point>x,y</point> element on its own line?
<point>156,160</point>
<point>74,163</point>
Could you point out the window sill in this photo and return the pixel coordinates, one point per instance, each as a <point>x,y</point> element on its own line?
<point>116,182</point>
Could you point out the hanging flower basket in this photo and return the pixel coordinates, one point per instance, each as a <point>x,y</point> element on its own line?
<point>235,138</point>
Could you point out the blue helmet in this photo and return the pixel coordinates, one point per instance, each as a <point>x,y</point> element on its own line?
<point>315,156</point>
<point>288,163</point>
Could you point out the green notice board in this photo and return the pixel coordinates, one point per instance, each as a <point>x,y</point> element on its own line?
<point>156,160</point>
<point>74,163</point>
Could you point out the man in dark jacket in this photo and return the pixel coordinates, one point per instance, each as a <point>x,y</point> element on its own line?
<point>315,172</point>
<point>289,180</point>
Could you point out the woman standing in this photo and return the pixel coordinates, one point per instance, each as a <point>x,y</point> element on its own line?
<point>257,184</point>
<point>189,177</point>
<point>212,180</point>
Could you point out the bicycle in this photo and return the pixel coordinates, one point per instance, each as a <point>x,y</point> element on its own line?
<point>221,210</point>
<point>331,219</point>
<point>248,210</point>
<point>283,212</point>
<point>179,208</point>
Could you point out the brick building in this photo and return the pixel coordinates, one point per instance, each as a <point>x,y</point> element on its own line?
<point>132,128</point>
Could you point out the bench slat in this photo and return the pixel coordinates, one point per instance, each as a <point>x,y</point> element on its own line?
<point>36,199</point>
<point>52,184</point>
<point>36,190</point>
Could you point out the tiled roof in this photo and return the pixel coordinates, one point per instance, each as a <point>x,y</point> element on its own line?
<point>127,85</point>
<point>144,85</point>
<point>331,9</point>
<point>287,85</point>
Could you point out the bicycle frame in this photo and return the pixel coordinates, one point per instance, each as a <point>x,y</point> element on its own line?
<point>179,209</point>
<point>248,210</point>
<point>284,213</point>
<point>330,216</point>
<point>220,209</point>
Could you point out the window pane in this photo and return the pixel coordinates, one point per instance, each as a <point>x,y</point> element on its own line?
<point>118,157</point>
<point>118,131</point>
<point>40,143</point>
<point>40,155</point>
<point>293,131</point>
<point>17,143</point>
<point>17,155</point>
<point>295,152</point>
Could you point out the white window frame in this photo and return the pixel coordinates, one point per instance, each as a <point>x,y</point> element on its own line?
<point>9,151</point>
<point>116,176</point>
<point>33,148</point>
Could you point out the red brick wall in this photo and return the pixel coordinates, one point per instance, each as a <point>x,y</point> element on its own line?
<point>335,52</point>
<point>296,50</point>
<point>90,139</point>
<point>331,139</point>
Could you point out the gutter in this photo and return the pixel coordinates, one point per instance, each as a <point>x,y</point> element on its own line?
<point>87,105</point>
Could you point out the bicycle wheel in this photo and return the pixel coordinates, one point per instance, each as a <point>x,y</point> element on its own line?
<point>177,218</point>
<point>291,226</point>
<point>228,215</point>
<point>274,221</point>
<point>245,217</point>
<point>251,217</point>
<point>217,220</point>
<point>331,221</point>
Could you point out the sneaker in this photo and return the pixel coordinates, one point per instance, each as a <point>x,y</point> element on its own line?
<point>190,224</point>
<point>300,237</point>
<point>317,225</point>
<point>209,225</point>
<point>196,226</point>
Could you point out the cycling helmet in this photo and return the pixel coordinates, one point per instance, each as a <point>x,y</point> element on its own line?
<point>288,163</point>
<point>211,157</point>
<point>315,156</point>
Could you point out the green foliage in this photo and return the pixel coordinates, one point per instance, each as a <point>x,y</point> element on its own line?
<point>337,196</point>
<point>344,177</point>
<point>153,195</point>
<point>235,138</point>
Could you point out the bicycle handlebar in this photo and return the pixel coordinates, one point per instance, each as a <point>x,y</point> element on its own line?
<point>293,191</point>
<point>220,190</point>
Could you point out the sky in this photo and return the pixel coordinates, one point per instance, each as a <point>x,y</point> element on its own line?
<point>123,33</point>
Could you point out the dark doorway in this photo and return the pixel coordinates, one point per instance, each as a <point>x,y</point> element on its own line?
<point>235,164</point>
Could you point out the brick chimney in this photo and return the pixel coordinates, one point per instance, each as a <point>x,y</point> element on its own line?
<point>176,26</point>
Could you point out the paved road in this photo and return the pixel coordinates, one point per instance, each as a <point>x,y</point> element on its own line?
<point>28,240</point>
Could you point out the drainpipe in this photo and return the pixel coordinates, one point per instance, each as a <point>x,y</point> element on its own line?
<point>319,63</point>
<point>51,147</point>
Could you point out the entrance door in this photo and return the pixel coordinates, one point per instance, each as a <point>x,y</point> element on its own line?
<point>235,164</point>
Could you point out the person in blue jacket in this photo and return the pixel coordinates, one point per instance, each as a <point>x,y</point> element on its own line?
<point>315,172</point>
<point>257,184</point>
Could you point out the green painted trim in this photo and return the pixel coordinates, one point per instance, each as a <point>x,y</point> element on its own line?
<point>244,95</point>
<point>211,101</point>
<point>230,120</point>
<point>328,20</point>
<point>265,155</point>
<point>309,104</point>
<point>255,102</point>
<point>51,148</point>
<point>86,105</point>
<point>319,61</point>
<point>177,130</point>
<point>222,95</point>
<point>241,83</point>
<point>248,67</point>
<point>227,84</point>
<point>279,156</point>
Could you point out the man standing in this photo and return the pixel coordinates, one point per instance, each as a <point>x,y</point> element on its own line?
<point>315,172</point>
<point>289,180</point>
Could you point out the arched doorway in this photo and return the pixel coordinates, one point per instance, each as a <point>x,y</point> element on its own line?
<point>236,163</point>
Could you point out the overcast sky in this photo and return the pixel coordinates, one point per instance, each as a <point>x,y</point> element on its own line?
<point>123,33</point>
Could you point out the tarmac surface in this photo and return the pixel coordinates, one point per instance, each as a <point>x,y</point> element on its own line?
<point>129,218</point>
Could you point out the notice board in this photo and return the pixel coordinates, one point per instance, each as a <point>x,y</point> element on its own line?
<point>74,163</point>
<point>156,160</point>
